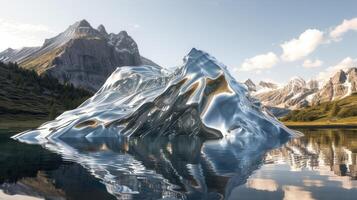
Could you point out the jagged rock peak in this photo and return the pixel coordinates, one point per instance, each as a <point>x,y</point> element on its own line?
<point>351,70</point>
<point>268,85</point>
<point>123,33</point>
<point>296,80</point>
<point>82,55</point>
<point>80,29</point>
<point>102,29</point>
<point>249,82</point>
<point>83,23</point>
<point>339,77</point>
<point>250,85</point>
<point>313,84</point>
<point>9,50</point>
<point>352,75</point>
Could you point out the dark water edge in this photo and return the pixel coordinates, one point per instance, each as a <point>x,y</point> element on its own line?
<point>330,126</point>
<point>30,170</point>
<point>320,165</point>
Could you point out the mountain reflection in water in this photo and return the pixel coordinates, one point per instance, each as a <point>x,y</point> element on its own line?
<point>331,150</point>
<point>182,167</point>
<point>320,165</point>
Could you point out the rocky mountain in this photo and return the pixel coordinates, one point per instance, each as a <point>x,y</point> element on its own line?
<point>295,94</point>
<point>262,86</point>
<point>340,85</point>
<point>298,93</point>
<point>268,85</point>
<point>14,55</point>
<point>81,55</point>
<point>250,85</point>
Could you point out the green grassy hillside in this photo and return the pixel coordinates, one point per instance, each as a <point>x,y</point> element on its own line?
<point>26,96</point>
<point>342,111</point>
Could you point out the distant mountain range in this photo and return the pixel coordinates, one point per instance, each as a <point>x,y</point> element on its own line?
<point>298,93</point>
<point>81,55</point>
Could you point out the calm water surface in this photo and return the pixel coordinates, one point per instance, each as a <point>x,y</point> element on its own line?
<point>320,165</point>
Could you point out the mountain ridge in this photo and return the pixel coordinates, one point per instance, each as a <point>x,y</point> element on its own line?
<point>298,93</point>
<point>81,55</point>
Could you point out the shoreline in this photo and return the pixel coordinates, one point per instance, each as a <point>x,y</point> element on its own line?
<point>21,124</point>
<point>32,122</point>
<point>320,125</point>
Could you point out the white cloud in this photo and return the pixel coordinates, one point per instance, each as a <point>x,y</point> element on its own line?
<point>341,29</point>
<point>302,46</point>
<point>16,35</point>
<point>312,64</point>
<point>259,62</point>
<point>344,64</point>
<point>298,48</point>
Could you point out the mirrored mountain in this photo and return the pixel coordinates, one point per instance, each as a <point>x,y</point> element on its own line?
<point>181,167</point>
<point>162,134</point>
<point>81,55</point>
<point>200,98</point>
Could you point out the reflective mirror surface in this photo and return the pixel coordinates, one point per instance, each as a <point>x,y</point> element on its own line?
<point>320,165</point>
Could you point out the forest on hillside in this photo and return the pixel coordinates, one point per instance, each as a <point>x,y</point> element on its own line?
<point>24,93</point>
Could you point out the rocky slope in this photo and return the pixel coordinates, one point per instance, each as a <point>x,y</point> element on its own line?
<point>298,93</point>
<point>342,110</point>
<point>295,94</point>
<point>342,84</point>
<point>81,55</point>
<point>262,86</point>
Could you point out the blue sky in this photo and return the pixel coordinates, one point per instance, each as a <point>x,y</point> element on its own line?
<point>248,36</point>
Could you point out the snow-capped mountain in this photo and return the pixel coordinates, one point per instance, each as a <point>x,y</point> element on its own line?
<point>262,86</point>
<point>294,94</point>
<point>81,55</point>
<point>200,98</point>
<point>298,93</point>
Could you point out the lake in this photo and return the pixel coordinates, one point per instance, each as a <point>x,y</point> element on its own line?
<point>320,165</point>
